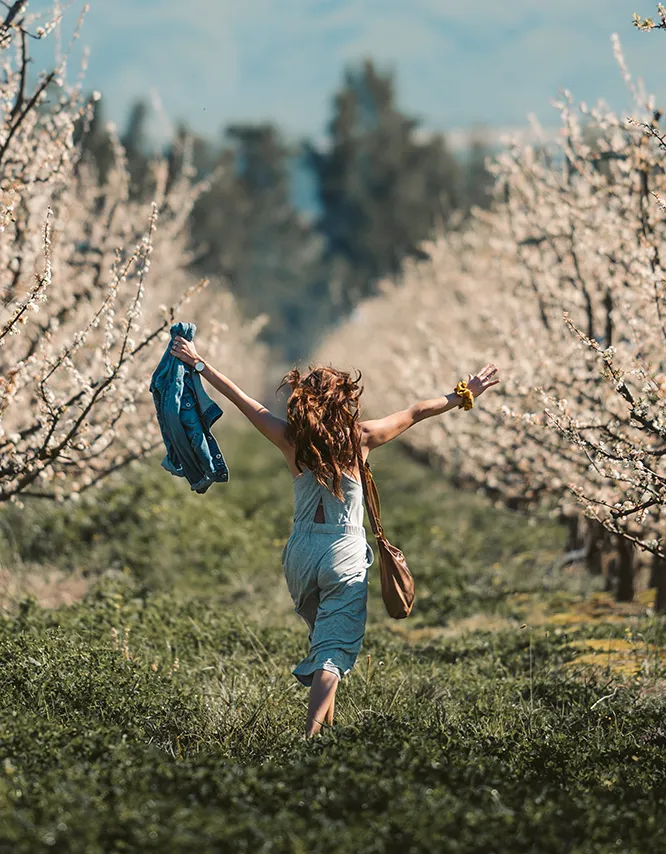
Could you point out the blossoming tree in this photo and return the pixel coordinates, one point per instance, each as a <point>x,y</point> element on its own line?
<point>90,281</point>
<point>562,286</point>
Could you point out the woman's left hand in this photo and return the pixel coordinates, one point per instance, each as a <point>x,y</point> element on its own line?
<point>487,377</point>
<point>184,350</point>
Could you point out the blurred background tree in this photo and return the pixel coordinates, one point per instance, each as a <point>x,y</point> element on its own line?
<point>253,234</point>
<point>134,141</point>
<point>304,232</point>
<point>382,186</point>
<point>477,187</point>
<point>97,141</point>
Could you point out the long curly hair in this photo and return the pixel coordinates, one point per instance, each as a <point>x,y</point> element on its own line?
<point>322,417</point>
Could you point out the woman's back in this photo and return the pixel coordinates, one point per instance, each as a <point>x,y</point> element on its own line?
<point>309,495</point>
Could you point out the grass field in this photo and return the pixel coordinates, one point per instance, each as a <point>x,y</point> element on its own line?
<point>146,700</point>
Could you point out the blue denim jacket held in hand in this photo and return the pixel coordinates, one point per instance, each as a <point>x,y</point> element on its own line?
<point>186,414</point>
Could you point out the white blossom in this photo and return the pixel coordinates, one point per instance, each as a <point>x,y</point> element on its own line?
<point>561,286</point>
<point>76,311</point>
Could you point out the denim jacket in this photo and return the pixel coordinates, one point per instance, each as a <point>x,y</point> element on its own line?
<point>185,414</point>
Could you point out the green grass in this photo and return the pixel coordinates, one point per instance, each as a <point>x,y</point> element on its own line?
<point>159,713</point>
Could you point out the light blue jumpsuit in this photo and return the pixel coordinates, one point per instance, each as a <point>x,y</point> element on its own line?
<point>326,568</point>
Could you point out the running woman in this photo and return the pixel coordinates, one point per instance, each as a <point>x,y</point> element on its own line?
<point>326,557</point>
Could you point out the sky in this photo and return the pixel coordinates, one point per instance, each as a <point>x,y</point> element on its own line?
<point>457,64</point>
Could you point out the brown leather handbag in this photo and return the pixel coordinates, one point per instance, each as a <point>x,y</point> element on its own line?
<point>396,580</point>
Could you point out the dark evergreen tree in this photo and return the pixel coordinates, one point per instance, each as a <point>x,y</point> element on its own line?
<point>382,187</point>
<point>134,141</point>
<point>478,180</point>
<point>96,141</point>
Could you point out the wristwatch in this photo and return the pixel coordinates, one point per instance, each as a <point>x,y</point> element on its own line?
<point>199,366</point>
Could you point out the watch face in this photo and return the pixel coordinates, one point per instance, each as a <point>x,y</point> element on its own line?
<point>199,366</point>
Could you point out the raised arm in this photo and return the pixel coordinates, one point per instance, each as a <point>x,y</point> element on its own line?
<point>272,427</point>
<point>379,431</point>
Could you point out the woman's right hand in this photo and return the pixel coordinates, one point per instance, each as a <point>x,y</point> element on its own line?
<point>184,350</point>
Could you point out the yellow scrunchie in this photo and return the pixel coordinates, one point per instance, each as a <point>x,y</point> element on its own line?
<point>466,394</point>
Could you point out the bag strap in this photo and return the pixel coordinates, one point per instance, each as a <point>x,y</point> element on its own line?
<point>371,496</point>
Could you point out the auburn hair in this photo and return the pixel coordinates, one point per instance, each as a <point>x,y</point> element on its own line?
<point>322,422</point>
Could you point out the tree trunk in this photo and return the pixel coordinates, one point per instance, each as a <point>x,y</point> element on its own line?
<point>625,570</point>
<point>655,569</point>
<point>575,535</point>
<point>596,543</point>
<point>658,576</point>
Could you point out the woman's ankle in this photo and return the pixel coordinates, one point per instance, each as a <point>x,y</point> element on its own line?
<point>312,728</point>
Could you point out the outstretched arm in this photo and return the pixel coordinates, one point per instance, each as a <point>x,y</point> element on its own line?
<point>272,427</point>
<point>379,431</point>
